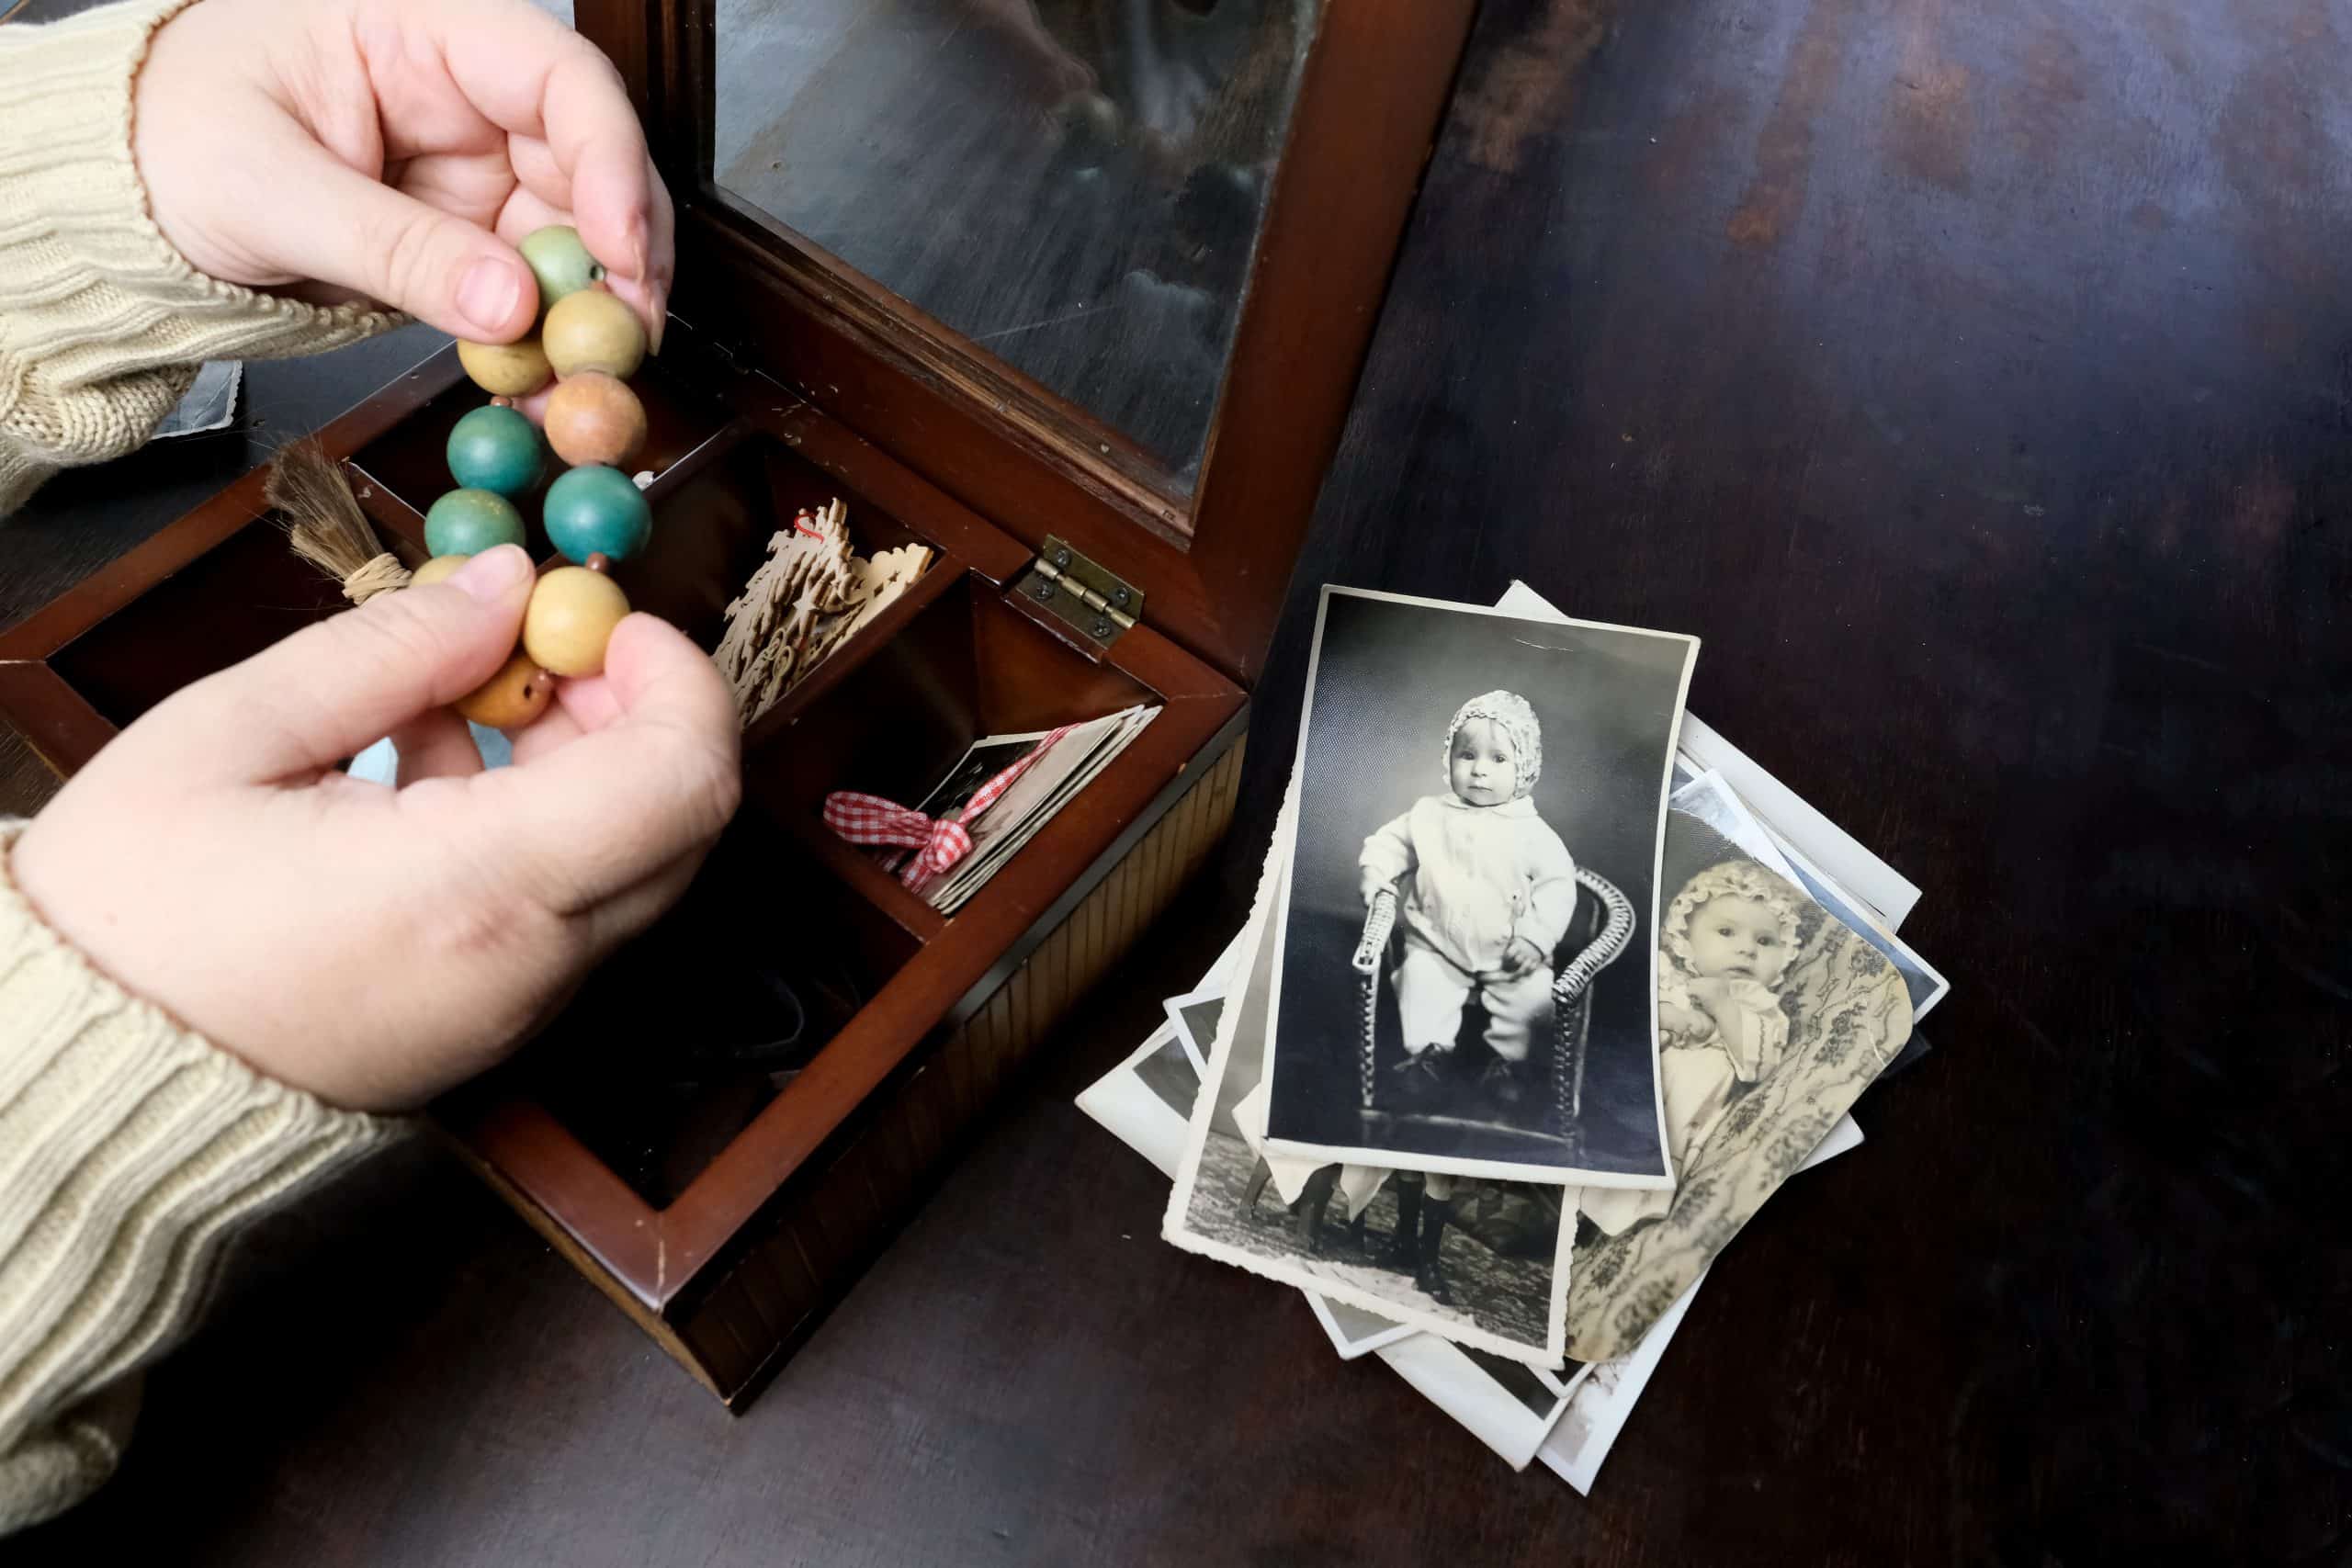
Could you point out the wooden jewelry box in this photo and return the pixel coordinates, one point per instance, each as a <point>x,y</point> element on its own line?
<point>741,1107</point>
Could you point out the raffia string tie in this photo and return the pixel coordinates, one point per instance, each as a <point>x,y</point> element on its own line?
<point>380,575</point>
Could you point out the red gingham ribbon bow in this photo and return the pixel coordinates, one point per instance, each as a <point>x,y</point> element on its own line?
<point>870,819</point>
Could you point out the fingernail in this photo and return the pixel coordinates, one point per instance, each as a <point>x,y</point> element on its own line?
<point>489,575</point>
<point>488,294</point>
<point>658,309</point>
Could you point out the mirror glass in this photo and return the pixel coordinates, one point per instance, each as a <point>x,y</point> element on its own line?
<point>1075,187</point>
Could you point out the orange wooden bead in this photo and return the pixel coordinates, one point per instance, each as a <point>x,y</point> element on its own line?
<point>511,698</point>
<point>594,421</point>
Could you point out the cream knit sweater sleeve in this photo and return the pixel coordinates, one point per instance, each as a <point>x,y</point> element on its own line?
<point>129,1151</point>
<point>102,322</point>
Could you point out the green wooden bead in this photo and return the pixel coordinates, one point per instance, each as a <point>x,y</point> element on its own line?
<point>468,522</point>
<point>497,449</point>
<point>559,262</point>
<point>594,510</point>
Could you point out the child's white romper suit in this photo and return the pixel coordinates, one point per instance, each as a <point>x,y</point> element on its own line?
<point>1476,877</point>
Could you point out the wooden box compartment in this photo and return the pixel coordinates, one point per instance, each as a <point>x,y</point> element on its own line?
<point>685,1130</point>
<point>740,1107</point>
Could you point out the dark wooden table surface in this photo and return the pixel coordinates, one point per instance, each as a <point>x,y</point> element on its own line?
<point>1975,377</point>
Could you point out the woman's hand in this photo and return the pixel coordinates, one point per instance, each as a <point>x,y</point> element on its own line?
<point>376,946</point>
<point>396,149</point>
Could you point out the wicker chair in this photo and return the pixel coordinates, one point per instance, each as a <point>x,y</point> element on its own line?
<point>1599,931</point>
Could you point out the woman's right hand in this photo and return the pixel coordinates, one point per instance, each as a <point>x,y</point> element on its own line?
<point>397,150</point>
<point>376,946</point>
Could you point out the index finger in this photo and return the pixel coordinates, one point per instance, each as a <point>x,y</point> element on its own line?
<point>586,820</point>
<point>534,78</point>
<point>542,198</point>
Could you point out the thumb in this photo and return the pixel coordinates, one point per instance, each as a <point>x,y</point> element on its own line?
<point>362,235</point>
<point>333,689</point>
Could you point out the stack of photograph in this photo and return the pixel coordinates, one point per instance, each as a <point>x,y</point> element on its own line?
<point>1545,989</point>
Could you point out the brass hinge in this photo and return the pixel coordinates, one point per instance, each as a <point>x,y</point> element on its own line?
<point>1096,604</point>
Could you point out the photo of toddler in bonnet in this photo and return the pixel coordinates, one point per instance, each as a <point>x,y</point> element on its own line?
<point>1462,955</point>
<point>1487,890</point>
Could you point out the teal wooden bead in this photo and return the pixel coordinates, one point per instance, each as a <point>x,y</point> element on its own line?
<point>559,262</point>
<point>594,510</point>
<point>496,450</point>
<point>468,522</point>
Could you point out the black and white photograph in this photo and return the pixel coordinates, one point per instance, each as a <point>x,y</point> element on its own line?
<point>1708,796</point>
<point>1410,1252</point>
<point>1927,985</point>
<point>981,762</point>
<point>1146,1101</point>
<point>1510,1407</point>
<point>1355,1332</point>
<point>1053,773</point>
<point>1774,1016</point>
<point>1194,1016</point>
<point>1605,1398</point>
<point>1463,961</point>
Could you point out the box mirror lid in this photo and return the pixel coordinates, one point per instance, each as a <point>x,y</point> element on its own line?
<point>1103,269</point>
<point>1076,190</point>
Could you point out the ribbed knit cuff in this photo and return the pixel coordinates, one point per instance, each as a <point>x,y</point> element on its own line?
<point>129,1150</point>
<point>20,475</point>
<point>102,321</point>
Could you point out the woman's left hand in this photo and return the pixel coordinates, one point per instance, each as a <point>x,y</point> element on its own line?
<point>395,151</point>
<point>375,946</point>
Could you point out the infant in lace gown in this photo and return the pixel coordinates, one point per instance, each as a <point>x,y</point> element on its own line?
<point>1728,938</point>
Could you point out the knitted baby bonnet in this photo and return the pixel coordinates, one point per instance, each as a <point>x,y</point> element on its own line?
<point>1508,712</point>
<point>1740,879</point>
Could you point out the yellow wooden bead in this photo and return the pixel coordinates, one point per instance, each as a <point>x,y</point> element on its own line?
<point>594,330</point>
<point>506,369</point>
<point>510,699</point>
<point>571,617</point>
<point>440,569</point>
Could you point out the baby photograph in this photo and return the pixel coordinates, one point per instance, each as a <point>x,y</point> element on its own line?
<point>1462,958</point>
<point>1773,1017</point>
